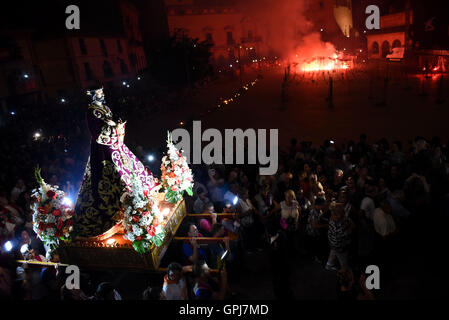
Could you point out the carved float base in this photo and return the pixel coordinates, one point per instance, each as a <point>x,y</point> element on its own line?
<point>110,250</point>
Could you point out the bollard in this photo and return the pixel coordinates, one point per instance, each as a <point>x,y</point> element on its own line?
<point>423,89</point>
<point>385,93</point>
<point>440,98</point>
<point>331,93</point>
<point>370,95</point>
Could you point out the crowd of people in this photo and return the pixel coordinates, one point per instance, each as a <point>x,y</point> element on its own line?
<point>340,206</point>
<point>343,207</point>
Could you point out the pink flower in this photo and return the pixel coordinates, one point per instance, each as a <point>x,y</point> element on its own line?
<point>151,230</point>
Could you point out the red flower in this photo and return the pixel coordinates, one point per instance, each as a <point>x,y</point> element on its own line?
<point>59,234</point>
<point>139,238</point>
<point>36,199</point>
<point>51,194</point>
<point>42,210</point>
<point>174,188</point>
<point>69,222</point>
<point>151,230</point>
<point>172,175</point>
<point>60,223</point>
<point>57,212</point>
<point>155,222</point>
<point>42,226</point>
<point>136,219</point>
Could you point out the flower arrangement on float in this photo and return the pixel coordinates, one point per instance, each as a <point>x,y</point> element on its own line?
<point>176,175</point>
<point>143,222</point>
<point>52,213</point>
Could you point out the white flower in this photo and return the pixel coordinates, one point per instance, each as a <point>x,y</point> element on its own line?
<point>130,237</point>
<point>137,230</point>
<point>51,218</point>
<point>123,197</point>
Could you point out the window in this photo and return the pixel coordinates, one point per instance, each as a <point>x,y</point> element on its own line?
<point>103,48</point>
<point>385,48</point>
<point>123,67</point>
<point>132,59</point>
<point>88,70</point>
<point>396,44</point>
<point>209,37</point>
<point>82,46</point>
<point>229,37</point>
<point>42,77</point>
<point>375,48</point>
<point>119,46</point>
<point>107,69</point>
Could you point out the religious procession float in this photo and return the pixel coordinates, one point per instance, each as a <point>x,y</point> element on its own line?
<point>123,217</point>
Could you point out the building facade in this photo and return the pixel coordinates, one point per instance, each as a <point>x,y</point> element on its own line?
<point>231,33</point>
<point>36,68</point>
<point>392,34</point>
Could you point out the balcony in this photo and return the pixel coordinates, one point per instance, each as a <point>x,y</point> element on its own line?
<point>252,39</point>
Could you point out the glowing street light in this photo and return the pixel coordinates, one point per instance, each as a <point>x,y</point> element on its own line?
<point>150,158</point>
<point>26,76</point>
<point>235,200</point>
<point>62,100</point>
<point>12,113</point>
<point>24,248</point>
<point>67,201</point>
<point>37,135</point>
<point>8,246</point>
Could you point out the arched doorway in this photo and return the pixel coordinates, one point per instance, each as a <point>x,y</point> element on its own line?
<point>385,48</point>
<point>375,48</point>
<point>396,44</point>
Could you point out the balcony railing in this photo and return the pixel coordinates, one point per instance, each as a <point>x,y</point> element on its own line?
<point>252,39</point>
